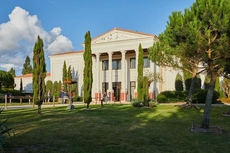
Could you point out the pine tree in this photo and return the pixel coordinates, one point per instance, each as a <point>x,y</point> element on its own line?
<point>140,74</point>
<point>88,75</point>
<point>27,68</point>
<point>39,74</point>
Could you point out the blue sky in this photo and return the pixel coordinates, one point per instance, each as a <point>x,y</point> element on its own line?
<point>63,24</point>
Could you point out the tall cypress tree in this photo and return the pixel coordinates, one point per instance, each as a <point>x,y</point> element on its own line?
<point>39,74</point>
<point>27,68</point>
<point>179,83</point>
<point>88,75</point>
<point>140,74</point>
<point>21,87</point>
<point>69,76</point>
<point>64,74</point>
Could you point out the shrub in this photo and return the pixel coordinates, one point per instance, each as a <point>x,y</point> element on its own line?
<point>137,104</point>
<point>152,104</point>
<point>77,98</point>
<point>199,96</point>
<point>161,98</point>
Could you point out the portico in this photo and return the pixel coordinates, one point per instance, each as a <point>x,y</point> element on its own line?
<point>115,61</point>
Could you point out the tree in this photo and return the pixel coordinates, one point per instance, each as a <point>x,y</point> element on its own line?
<point>49,85</point>
<point>21,86</point>
<point>88,74</point>
<point>6,80</point>
<point>147,79</point>
<point>225,87</point>
<point>69,76</point>
<point>12,72</point>
<point>201,34</point>
<point>64,75</point>
<point>217,84</point>
<point>176,47</point>
<point>206,82</point>
<point>140,74</point>
<point>179,83</point>
<point>39,74</point>
<point>213,35</point>
<point>27,68</point>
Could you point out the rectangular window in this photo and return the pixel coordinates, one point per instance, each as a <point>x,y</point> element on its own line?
<point>105,65</point>
<point>132,89</point>
<point>132,63</point>
<point>116,64</point>
<point>146,62</point>
<point>105,86</point>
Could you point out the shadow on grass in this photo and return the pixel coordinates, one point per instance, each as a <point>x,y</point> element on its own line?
<point>115,128</point>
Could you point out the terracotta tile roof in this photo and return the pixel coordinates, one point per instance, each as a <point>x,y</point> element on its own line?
<point>132,31</point>
<point>65,53</point>
<point>30,75</point>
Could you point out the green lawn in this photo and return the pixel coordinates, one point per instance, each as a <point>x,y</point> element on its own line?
<point>115,129</point>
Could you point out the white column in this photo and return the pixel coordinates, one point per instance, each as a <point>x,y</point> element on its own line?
<point>98,72</point>
<point>137,54</point>
<point>110,72</point>
<point>124,75</point>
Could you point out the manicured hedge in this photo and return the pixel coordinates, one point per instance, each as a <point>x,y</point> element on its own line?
<point>199,96</point>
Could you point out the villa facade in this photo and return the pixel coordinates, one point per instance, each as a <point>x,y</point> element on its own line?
<point>115,62</point>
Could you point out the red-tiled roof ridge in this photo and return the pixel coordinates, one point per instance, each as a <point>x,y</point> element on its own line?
<point>71,52</point>
<point>132,31</point>
<point>30,75</point>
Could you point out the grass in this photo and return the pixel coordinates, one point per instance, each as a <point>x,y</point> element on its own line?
<point>115,129</point>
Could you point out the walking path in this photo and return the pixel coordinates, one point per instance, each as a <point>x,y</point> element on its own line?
<point>45,105</point>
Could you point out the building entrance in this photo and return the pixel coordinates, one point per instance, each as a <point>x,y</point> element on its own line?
<point>117,90</point>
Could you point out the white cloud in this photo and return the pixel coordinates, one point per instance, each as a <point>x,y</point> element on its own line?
<point>7,66</point>
<point>60,44</point>
<point>19,34</point>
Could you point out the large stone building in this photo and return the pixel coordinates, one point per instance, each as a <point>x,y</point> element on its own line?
<point>115,60</point>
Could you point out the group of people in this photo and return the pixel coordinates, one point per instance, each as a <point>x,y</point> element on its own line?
<point>65,96</point>
<point>106,97</point>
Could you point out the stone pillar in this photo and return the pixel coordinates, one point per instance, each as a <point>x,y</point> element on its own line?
<point>123,96</point>
<point>98,91</point>
<point>137,54</point>
<point>111,76</point>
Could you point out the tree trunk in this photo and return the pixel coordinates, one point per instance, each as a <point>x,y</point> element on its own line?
<point>192,86</point>
<point>191,90</point>
<point>87,106</point>
<point>39,109</point>
<point>208,103</point>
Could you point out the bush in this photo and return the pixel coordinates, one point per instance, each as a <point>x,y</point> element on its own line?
<point>199,96</point>
<point>152,104</point>
<point>161,98</point>
<point>137,104</point>
<point>77,98</point>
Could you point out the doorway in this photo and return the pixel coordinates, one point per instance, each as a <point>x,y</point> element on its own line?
<point>117,90</point>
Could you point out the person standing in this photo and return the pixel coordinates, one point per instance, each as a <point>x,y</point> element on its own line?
<point>109,95</point>
<point>105,97</point>
<point>62,96</point>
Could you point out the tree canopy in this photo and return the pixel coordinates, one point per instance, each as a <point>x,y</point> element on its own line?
<point>197,41</point>
<point>27,68</point>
